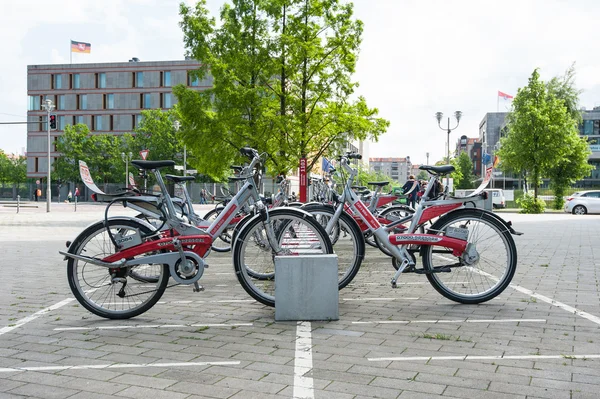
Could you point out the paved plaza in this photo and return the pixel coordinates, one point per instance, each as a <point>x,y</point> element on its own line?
<point>539,339</point>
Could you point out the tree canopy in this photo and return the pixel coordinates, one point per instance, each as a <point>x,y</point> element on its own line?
<point>281,82</point>
<point>542,134</point>
<point>465,165</point>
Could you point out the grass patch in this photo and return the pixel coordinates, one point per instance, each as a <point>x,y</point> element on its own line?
<point>201,329</point>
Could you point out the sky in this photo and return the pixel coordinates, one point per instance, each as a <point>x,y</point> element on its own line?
<point>417,57</point>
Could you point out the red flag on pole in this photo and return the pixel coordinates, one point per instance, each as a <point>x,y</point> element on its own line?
<point>504,95</point>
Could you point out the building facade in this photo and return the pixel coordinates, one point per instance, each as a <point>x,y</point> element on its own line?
<point>398,169</point>
<point>108,97</point>
<point>493,127</point>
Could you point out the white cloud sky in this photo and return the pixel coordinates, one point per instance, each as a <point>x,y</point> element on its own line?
<point>417,57</point>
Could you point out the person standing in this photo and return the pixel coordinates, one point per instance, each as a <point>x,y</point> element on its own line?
<point>36,194</point>
<point>203,196</point>
<point>77,193</point>
<point>410,189</point>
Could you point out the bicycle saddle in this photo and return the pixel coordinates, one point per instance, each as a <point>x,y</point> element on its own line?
<point>378,183</point>
<point>438,170</point>
<point>151,164</point>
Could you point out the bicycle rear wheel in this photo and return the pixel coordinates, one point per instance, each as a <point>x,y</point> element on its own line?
<point>223,242</point>
<point>118,293</point>
<point>492,267</point>
<point>297,233</point>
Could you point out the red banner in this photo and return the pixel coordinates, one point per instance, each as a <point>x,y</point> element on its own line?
<point>303,185</point>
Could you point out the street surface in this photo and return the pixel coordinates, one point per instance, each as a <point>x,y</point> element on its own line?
<point>539,339</point>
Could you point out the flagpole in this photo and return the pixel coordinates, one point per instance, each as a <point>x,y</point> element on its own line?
<point>70,53</point>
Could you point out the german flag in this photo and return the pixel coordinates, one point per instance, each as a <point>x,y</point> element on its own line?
<point>80,47</point>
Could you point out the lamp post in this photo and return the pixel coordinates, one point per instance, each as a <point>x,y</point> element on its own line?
<point>427,155</point>
<point>438,116</point>
<point>126,158</point>
<point>176,126</point>
<point>48,106</point>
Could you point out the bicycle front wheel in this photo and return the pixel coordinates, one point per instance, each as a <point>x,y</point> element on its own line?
<point>114,293</point>
<point>296,232</point>
<point>491,267</point>
<point>347,239</point>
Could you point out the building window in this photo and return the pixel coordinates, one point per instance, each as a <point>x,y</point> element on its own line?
<point>79,119</point>
<point>109,101</point>
<point>57,82</point>
<point>34,103</point>
<point>61,122</point>
<point>41,124</point>
<point>167,101</point>
<point>76,83</point>
<point>166,78</point>
<point>98,122</point>
<point>37,164</point>
<point>111,123</point>
<point>82,101</point>
<point>136,120</point>
<point>138,79</point>
<point>61,103</point>
<point>193,80</point>
<point>145,100</point>
<point>101,80</point>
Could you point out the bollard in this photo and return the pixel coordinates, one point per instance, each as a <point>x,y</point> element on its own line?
<point>18,202</point>
<point>75,204</point>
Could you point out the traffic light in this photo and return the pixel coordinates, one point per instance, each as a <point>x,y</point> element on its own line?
<point>53,122</point>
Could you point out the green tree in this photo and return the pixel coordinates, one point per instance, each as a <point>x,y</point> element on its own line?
<point>101,152</point>
<point>574,165</point>
<point>465,165</point>
<point>156,133</point>
<point>540,131</point>
<point>282,83</point>
<point>423,175</point>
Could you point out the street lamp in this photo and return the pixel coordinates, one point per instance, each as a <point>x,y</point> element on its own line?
<point>126,158</point>
<point>48,106</point>
<point>176,126</point>
<point>427,155</point>
<point>438,116</point>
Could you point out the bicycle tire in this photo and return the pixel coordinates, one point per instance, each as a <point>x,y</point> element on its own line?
<point>348,241</point>
<point>247,250</point>
<point>491,239</point>
<point>114,307</point>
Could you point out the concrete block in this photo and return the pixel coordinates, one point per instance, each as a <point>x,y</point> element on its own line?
<point>306,287</point>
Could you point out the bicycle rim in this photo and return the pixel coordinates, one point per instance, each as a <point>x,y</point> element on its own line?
<point>93,285</point>
<point>296,235</point>
<point>489,275</point>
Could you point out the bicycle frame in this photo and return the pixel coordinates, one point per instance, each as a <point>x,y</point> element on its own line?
<point>397,244</point>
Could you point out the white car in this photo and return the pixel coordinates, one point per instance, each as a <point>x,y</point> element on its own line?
<point>583,202</point>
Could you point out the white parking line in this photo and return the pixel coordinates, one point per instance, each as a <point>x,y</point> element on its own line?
<point>152,326</point>
<point>469,357</point>
<point>377,299</point>
<point>563,306</point>
<point>113,366</point>
<point>34,316</point>
<point>303,385</point>
<point>451,321</point>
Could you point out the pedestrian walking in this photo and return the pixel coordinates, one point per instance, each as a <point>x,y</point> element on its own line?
<point>410,189</point>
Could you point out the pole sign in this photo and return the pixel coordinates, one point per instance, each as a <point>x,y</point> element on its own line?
<point>144,154</point>
<point>131,180</point>
<point>303,185</point>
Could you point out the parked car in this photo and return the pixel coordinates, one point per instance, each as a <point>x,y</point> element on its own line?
<point>497,194</point>
<point>583,202</point>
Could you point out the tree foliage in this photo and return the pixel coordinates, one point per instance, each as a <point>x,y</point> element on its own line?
<point>542,134</point>
<point>101,152</point>
<point>157,134</point>
<point>281,73</point>
<point>465,165</point>
<point>573,166</point>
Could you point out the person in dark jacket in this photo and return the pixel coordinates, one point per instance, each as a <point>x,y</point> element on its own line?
<point>410,189</point>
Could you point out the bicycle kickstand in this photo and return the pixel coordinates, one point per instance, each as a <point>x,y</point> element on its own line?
<point>403,265</point>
